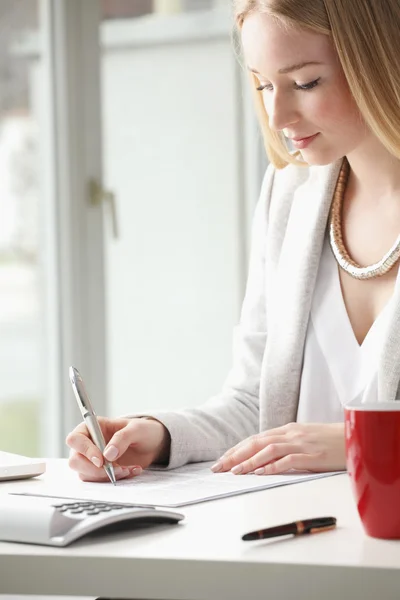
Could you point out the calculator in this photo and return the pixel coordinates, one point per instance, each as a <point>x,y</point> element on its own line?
<point>54,521</point>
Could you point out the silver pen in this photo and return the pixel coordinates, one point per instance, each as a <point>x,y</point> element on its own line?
<point>90,418</point>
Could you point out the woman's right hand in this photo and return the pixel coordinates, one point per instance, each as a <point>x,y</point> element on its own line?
<point>131,445</point>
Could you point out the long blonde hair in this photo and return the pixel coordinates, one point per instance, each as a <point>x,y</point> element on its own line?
<point>366,37</point>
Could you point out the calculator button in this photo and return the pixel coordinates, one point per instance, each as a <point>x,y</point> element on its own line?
<point>77,510</point>
<point>93,512</point>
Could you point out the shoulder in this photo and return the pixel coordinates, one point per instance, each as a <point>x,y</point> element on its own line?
<point>287,180</point>
<point>277,196</point>
<point>280,185</point>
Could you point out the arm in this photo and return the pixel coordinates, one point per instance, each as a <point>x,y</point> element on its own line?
<point>206,432</point>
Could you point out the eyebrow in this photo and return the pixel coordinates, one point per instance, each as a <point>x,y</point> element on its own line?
<point>292,68</point>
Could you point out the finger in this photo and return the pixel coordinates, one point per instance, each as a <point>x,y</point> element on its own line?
<point>282,430</point>
<point>269,433</point>
<point>233,450</point>
<point>83,466</point>
<point>120,473</point>
<point>243,444</point>
<point>252,446</point>
<point>79,441</point>
<point>271,453</point>
<point>88,472</point>
<point>302,462</point>
<point>121,440</point>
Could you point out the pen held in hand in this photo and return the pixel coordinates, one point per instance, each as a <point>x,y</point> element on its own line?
<point>316,525</point>
<point>90,418</point>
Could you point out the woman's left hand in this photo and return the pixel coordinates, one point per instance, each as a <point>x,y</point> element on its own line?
<point>302,446</point>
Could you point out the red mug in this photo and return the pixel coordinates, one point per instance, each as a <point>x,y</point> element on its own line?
<point>372,435</point>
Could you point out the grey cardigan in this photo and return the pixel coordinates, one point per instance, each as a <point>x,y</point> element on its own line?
<point>262,388</point>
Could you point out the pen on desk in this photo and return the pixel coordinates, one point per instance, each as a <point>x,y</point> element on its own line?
<point>90,418</point>
<point>316,525</point>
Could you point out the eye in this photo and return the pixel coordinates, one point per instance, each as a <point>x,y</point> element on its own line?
<point>308,86</point>
<point>267,86</point>
<point>305,87</point>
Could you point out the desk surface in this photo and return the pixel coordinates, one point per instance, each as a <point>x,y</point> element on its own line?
<point>204,557</point>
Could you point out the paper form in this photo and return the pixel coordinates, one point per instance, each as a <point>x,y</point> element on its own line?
<point>190,484</point>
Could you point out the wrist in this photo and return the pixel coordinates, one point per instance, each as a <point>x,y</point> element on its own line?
<point>164,448</point>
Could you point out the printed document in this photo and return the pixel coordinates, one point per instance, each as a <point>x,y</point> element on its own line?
<point>190,484</point>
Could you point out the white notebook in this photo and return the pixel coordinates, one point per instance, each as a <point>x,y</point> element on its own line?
<point>16,466</point>
<point>190,484</point>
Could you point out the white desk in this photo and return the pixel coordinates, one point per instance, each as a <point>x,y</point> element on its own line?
<point>205,559</point>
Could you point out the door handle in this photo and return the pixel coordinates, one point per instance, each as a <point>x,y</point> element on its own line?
<point>98,195</point>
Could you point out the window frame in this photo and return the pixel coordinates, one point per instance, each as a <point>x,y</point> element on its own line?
<point>75,272</point>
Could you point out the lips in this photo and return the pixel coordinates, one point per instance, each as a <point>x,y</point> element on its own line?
<point>301,143</point>
<point>302,138</point>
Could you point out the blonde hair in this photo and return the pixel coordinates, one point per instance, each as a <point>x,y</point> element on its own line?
<point>365,35</point>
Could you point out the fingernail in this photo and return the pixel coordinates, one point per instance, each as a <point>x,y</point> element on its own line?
<point>259,471</point>
<point>111,453</point>
<point>96,461</point>
<point>217,467</point>
<point>136,470</point>
<point>236,470</point>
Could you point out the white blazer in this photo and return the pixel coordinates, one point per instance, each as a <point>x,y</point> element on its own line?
<point>262,388</point>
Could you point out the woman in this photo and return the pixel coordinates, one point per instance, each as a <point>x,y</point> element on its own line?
<point>321,315</point>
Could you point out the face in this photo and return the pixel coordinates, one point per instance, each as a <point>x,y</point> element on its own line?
<point>311,101</point>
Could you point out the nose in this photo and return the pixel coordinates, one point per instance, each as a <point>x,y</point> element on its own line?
<point>281,112</point>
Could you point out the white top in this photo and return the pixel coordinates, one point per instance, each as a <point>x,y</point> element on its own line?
<point>336,368</point>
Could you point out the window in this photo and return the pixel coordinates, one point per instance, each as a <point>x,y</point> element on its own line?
<point>22,276</point>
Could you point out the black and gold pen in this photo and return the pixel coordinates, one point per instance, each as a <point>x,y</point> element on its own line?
<point>316,525</point>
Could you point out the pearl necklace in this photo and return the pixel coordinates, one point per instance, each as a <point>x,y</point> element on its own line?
<point>336,238</point>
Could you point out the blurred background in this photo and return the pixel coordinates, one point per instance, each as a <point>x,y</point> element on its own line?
<point>130,164</point>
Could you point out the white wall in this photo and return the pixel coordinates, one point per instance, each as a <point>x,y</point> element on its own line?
<point>173,153</point>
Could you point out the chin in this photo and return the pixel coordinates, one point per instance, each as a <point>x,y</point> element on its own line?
<point>319,159</point>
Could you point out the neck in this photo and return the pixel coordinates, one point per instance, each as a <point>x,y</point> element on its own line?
<point>373,170</point>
